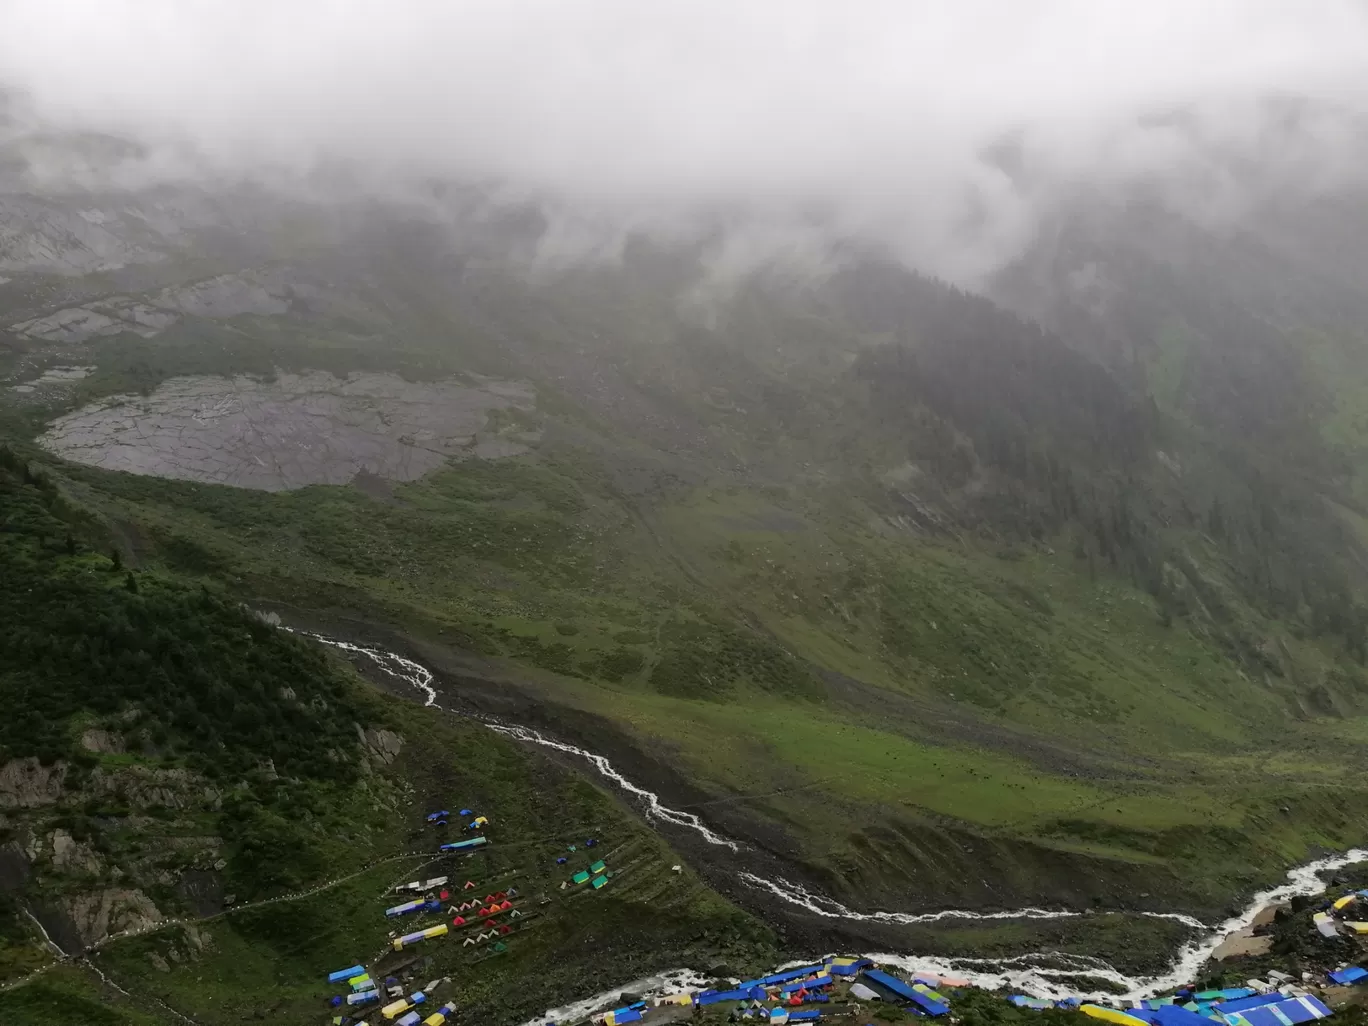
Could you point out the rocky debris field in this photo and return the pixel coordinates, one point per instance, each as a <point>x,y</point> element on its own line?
<point>293,431</point>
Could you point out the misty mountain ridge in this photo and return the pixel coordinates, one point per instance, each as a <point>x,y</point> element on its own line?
<point>1047,591</point>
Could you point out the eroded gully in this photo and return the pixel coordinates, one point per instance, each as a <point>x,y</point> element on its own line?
<point>1041,974</point>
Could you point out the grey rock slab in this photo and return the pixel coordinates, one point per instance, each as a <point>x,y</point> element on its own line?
<point>228,295</point>
<point>297,430</point>
<point>74,324</point>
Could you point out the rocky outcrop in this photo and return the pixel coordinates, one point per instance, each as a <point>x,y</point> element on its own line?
<point>382,745</point>
<point>143,787</point>
<point>71,856</point>
<point>28,784</point>
<point>228,295</point>
<point>292,431</point>
<point>102,741</point>
<point>98,914</point>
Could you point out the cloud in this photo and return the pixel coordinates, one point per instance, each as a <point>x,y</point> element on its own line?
<point>943,128</point>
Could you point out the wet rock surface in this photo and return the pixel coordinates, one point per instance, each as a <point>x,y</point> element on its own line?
<point>227,295</point>
<point>293,431</point>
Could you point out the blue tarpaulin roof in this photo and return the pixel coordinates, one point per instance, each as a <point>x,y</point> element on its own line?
<point>1253,1001</point>
<point>622,1015</point>
<point>791,974</point>
<point>837,969</point>
<point>1349,975</point>
<point>821,981</point>
<point>805,1015</point>
<point>1280,1013</point>
<point>711,997</point>
<point>346,974</point>
<point>1172,1015</point>
<point>902,990</point>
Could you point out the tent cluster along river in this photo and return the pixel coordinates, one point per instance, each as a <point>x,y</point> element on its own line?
<point>1042,974</point>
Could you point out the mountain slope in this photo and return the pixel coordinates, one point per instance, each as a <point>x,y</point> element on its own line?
<point>885,575</point>
<point>172,763</point>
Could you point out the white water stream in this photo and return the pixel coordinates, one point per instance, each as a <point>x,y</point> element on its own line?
<point>1040,974</point>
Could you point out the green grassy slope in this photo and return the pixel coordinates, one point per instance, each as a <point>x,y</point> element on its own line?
<point>191,692</point>
<point>871,563</point>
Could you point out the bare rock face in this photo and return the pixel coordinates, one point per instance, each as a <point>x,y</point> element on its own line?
<point>27,784</point>
<point>70,855</point>
<point>98,914</point>
<point>146,788</point>
<point>293,431</point>
<point>225,296</point>
<point>53,236</point>
<point>102,741</point>
<point>383,745</point>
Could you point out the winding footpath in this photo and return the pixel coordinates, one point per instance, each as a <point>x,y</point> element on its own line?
<point>1040,974</point>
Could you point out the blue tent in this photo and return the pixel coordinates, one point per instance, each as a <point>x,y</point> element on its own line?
<point>346,974</point>
<point>1280,1013</point>
<point>1352,974</point>
<point>1172,1015</point>
<point>836,969</point>
<point>711,997</point>
<point>791,974</point>
<point>896,986</point>
<point>793,988</point>
<point>1253,1001</point>
<point>473,842</point>
<point>434,816</point>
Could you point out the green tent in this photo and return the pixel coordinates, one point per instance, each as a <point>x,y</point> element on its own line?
<point>599,881</point>
<point>597,867</point>
<point>579,878</point>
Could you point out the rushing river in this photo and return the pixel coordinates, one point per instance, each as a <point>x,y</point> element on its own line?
<point>1040,974</point>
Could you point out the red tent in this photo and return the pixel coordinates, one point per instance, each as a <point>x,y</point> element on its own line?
<point>505,929</point>
<point>458,921</point>
<point>444,895</point>
<point>505,906</point>
<point>490,922</point>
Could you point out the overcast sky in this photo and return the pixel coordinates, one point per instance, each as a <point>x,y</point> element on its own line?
<point>876,116</point>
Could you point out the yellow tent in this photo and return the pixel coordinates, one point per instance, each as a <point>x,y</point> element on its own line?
<point>1112,1015</point>
<point>1358,927</point>
<point>1347,899</point>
